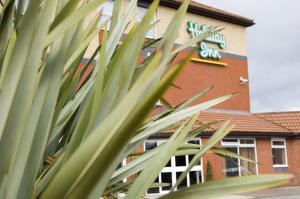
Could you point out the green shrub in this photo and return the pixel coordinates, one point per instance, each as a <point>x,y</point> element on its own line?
<point>58,141</point>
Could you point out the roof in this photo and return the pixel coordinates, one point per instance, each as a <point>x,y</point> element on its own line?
<point>290,120</point>
<point>245,123</point>
<point>208,11</point>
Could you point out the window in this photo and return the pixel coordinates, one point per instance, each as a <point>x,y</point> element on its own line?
<point>120,165</point>
<point>106,10</point>
<point>279,155</point>
<point>141,13</point>
<point>174,168</point>
<point>235,167</point>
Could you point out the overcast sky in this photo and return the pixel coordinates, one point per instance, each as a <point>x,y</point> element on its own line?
<point>273,51</point>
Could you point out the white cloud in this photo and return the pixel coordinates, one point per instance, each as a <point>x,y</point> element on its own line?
<point>273,46</point>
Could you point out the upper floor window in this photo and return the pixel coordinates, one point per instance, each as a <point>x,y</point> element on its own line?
<point>140,14</point>
<point>245,147</point>
<point>174,168</point>
<point>106,10</point>
<point>279,155</point>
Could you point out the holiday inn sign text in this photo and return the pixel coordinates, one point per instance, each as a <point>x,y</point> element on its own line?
<point>204,50</point>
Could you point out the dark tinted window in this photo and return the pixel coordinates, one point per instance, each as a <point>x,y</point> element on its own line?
<point>278,156</point>
<point>183,183</point>
<point>231,164</point>
<point>191,158</point>
<point>150,145</point>
<point>195,177</point>
<point>166,178</point>
<point>246,141</point>
<point>180,160</point>
<point>154,189</point>
<point>278,143</point>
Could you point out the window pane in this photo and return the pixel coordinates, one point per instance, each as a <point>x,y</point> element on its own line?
<point>141,13</point>
<point>278,143</point>
<point>151,33</point>
<point>107,7</point>
<point>103,19</point>
<point>166,178</point>
<point>195,177</point>
<point>150,145</point>
<point>231,165</point>
<point>183,183</point>
<point>248,168</point>
<point>180,160</point>
<point>194,142</point>
<point>246,141</point>
<point>191,157</point>
<point>228,141</point>
<point>154,189</point>
<point>106,12</point>
<point>168,164</point>
<point>278,156</point>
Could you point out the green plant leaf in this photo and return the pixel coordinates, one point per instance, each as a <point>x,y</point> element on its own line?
<point>71,20</point>
<point>171,32</point>
<point>193,99</point>
<point>7,25</point>
<point>157,163</point>
<point>201,37</point>
<point>24,94</point>
<point>224,152</point>
<point>165,122</point>
<point>64,13</point>
<point>217,136</point>
<point>235,185</point>
<point>8,54</point>
<point>115,15</point>
<point>117,32</point>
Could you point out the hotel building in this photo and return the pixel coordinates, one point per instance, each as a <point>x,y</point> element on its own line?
<point>271,139</point>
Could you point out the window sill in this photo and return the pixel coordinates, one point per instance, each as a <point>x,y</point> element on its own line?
<point>280,166</point>
<point>281,169</point>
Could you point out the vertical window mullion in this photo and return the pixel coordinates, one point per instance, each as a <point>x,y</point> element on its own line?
<point>239,161</point>
<point>188,179</point>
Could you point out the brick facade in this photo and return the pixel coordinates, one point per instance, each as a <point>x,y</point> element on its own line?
<point>226,79</point>
<point>197,76</point>
<point>215,161</point>
<point>293,153</point>
<point>264,156</point>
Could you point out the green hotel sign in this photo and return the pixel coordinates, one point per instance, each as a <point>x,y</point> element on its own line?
<point>204,50</point>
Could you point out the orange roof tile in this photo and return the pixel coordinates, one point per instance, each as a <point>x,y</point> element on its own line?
<point>290,120</point>
<point>243,121</point>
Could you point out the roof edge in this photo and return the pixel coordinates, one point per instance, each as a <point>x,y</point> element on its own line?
<point>275,112</point>
<point>238,134</point>
<point>202,11</point>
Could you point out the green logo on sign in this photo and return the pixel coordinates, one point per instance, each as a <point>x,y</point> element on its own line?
<point>204,50</point>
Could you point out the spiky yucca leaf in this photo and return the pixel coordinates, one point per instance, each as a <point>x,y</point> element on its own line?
<point>63,135</point>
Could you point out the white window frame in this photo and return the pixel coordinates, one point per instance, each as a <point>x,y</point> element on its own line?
<point>153,21</point>
<point>279,147</point>
<point>124,162</point>
<point>238,145</point>
<point>173,169</point>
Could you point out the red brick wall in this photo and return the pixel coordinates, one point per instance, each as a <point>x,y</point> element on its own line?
<point>215,161</point>
<point>264,156</point>
<point>197,76</point>
<point>293,154</point>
